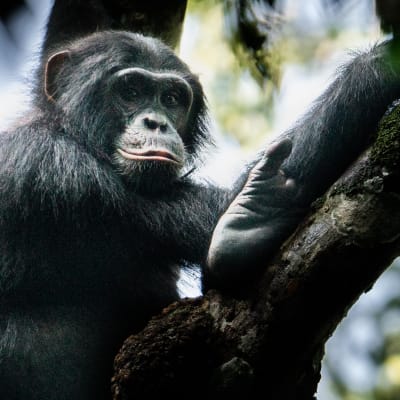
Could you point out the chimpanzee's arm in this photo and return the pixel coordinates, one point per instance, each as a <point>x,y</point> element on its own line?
<point>324,143</point>
<point>339,125</point>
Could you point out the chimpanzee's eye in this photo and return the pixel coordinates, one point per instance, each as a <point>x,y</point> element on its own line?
<point>127,87</point>
<point>171,99</point>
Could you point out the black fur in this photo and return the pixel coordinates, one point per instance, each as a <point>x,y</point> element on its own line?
<point>85,256</point>
<point>85,259</point>
<point>342,119</point>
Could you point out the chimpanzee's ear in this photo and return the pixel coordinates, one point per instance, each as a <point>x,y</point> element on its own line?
<point>53,65</point>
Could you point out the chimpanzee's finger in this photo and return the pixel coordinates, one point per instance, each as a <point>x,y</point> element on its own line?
<point>273,158</point>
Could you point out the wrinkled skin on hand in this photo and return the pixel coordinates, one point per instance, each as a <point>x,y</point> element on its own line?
<point>257,220</point>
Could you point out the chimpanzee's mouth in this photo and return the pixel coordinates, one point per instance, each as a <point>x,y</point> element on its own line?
<point>149,155</point>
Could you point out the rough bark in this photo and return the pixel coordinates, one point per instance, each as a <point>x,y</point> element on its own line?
<point>270,342</point>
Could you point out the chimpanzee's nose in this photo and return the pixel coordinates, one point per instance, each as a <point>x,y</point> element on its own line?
<point>155,121</point>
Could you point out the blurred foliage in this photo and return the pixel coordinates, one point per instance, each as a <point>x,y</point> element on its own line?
<point>240,105</point>
<point>242,98</point>
<point>242,82</point>
<point>382,355</point>
<point>254,30</point>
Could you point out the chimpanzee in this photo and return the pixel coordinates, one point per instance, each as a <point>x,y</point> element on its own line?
<point>98,208</point>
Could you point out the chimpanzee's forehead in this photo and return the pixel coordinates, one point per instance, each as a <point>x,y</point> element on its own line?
<point>130,50</point>
<point>152,54</point>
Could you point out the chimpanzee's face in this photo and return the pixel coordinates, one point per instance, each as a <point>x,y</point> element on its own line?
<point>131,99</point>
<point>155,107</point>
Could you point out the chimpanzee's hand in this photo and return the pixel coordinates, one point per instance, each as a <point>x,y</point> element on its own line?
<point>256,222</point>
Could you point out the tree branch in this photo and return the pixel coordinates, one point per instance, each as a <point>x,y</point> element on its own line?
<point>272,340</point>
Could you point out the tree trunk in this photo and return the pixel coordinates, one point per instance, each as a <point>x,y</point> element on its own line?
<point>270,342</point>
<point>74,18</point>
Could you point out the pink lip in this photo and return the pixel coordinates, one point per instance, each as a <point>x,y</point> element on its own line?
<point>152,155</point>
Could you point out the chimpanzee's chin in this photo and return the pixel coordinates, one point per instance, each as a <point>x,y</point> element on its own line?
<point>151,178</point>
